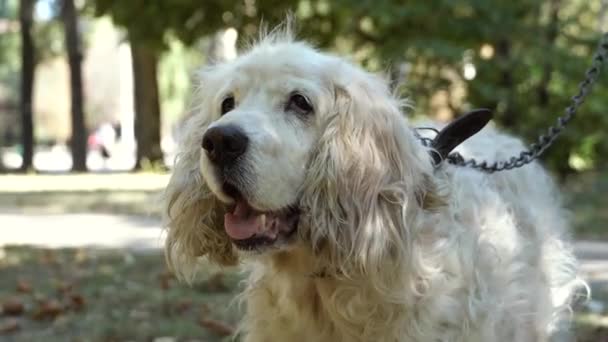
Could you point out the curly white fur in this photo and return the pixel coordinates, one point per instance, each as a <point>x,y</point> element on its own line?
<point>388,248</point>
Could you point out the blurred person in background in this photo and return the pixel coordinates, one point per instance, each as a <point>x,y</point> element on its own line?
<point>104,139</point>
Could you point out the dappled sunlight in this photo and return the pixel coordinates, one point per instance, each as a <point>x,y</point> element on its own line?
<point>82,182</point>
<point>76,230</point>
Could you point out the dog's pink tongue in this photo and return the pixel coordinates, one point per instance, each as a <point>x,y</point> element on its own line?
<point>243,223</point>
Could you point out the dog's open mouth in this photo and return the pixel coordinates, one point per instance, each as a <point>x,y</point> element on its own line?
<point>251,229</point>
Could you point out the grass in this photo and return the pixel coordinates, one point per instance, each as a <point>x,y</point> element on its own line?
<point>113,295</point>
<point>109,295</point>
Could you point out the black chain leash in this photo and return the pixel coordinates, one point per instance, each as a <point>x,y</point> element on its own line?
<point>544,140</point>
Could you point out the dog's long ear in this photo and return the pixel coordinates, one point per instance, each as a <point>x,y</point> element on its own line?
<point>367,178</point>
<point>192,214</point>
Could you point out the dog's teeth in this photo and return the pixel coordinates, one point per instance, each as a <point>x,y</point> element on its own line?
<point>263,221</point>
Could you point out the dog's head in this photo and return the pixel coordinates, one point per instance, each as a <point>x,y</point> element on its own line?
<point>289,145</point>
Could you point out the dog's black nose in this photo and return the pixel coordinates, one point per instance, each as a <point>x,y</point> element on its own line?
<point>224,144</point>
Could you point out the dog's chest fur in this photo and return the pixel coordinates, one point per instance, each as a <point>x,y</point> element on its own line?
<point>286,301</point>
<point>304,309</point>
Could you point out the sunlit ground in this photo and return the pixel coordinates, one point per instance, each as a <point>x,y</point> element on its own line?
<point>116,193</point>
<point>82,182</point>
<point>58,158</point>
<point>81,230</point>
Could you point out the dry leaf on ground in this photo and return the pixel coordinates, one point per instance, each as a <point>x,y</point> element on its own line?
<point>24,286</point>
<point>13,307</point>
<point>49,309</point>
<point>217,327</point>
<point>76,301</point>
<point>215,283</point>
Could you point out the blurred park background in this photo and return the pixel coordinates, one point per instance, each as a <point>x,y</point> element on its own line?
<point>93,94</point>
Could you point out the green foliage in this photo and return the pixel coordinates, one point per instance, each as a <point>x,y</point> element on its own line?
<point>540,50</point>
<point>528,56</point>
<point>49,40</point>
<point>154,23</point>
<point>175,81</point>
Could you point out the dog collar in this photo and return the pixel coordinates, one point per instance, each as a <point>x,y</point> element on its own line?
<point>456,133</point>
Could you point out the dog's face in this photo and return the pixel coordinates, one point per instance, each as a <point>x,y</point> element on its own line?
<point>289,144</point>
<point>265,115</point>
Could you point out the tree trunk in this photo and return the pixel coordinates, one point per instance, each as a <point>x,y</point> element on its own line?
<point>147,105</point>
<point>78,141</point>
<point>28,65</point>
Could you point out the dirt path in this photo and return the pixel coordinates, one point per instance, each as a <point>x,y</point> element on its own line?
<point>137,232</point>
<point>78,230</point>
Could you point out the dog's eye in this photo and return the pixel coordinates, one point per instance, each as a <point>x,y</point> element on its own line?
<point>227,104</point>
<point>299,103</point>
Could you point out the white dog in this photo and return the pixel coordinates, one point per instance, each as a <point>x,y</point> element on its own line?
<point>302,166</point>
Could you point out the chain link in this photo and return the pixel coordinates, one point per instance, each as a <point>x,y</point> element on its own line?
<point>544,140</point>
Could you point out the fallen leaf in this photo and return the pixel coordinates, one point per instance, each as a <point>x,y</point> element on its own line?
<point>165,280</point>
<point>217,327</point>
<point>9,326</point>
<point>23,286</point>
<point>215,283</point>
<point>183,306</point>
<point>49,309</point>
<point>76,301</point>
<point>13,307</point>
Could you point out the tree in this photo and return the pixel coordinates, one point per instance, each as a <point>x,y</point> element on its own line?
<point>28,65</point>
<point>146,45</point>
<point>186,20</point>
<point>78,141</point>
<point>528,56</point>
<point>147,104</point>
<point>534,56</point>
